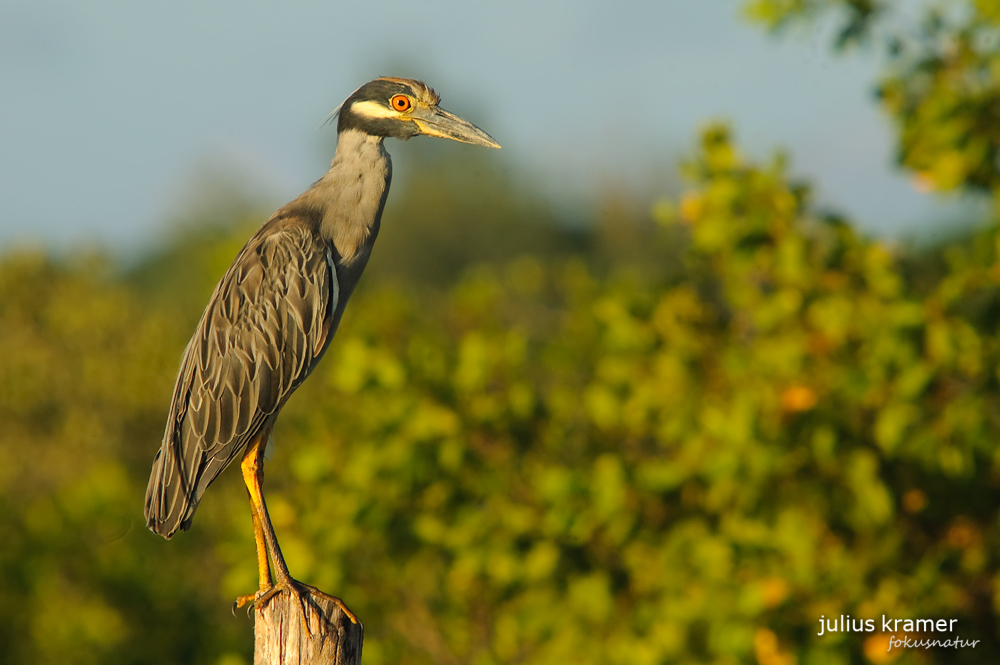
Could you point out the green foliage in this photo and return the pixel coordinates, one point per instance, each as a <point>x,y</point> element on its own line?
<point>942,85</point>
<point>855,16</point>
<point>84,374</point>
<point>453,209</point>
<point>633,473</point>
<point>543,464</point>
<point>944,93</point>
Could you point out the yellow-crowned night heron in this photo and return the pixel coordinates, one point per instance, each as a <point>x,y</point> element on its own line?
<point>276,309</point>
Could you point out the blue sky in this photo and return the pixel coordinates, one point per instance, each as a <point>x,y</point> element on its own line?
<point>110,109</point>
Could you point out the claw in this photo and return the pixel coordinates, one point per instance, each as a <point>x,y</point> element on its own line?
<point>343,608</point>
<point>264,596</point>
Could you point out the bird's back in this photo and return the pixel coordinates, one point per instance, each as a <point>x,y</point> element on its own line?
<point>265,328</point>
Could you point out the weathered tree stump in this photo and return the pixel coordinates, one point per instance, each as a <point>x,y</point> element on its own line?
<point>315,630</point>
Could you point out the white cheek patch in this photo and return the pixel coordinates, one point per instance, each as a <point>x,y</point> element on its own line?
<point>370,109</point>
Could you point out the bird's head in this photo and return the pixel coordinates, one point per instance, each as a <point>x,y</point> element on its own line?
<point>402,108</point>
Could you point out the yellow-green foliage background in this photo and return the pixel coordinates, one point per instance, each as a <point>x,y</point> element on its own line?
<point>682,436</point>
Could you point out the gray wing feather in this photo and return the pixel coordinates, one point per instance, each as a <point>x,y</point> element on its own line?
<point>265,327</point>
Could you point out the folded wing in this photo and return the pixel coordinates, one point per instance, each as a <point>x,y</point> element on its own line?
<point>265,327</point>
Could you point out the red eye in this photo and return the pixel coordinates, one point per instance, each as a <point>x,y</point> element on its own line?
<point>400,102</point>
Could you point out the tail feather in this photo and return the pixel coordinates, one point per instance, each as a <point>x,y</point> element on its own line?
<point>182,471</point>
<point>170,500</point>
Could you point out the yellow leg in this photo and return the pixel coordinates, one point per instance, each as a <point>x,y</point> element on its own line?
<point>267,543</point>
<point>252,474</point>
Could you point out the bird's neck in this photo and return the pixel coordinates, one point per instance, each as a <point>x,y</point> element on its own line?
<point>351,195</point>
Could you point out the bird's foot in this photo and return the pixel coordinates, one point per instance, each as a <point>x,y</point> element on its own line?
<point>263,595</point>
<point>243,600</point>
<point>308,590</point>
<point>300,591</point>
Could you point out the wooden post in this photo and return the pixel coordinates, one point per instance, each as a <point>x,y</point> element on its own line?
<point>323,634</point>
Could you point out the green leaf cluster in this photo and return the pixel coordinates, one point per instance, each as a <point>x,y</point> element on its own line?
<point>941,86</point>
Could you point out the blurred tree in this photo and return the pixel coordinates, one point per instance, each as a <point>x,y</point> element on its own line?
<point>547,463</point>
<point>84,374</point>
<point>559,468</point>
<point>942,85</point>
<point>452,210</point>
